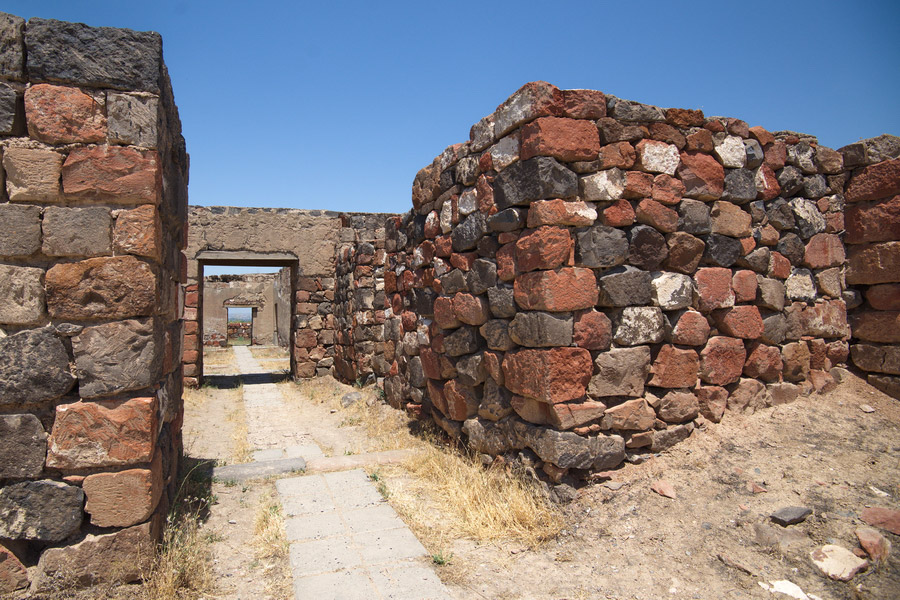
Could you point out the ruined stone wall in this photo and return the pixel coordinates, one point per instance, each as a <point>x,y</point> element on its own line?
<point>872,220</point>
<point>92,213</point>
<point>252,290</point>
<point>283,296</point>
<point>361,353</point>
<point>589,278</point>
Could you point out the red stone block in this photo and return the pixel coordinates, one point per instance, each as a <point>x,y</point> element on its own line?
<point>550,375</point>
<point>584,104</point>
<point>767,187</point>
<point>714,125</point>
<point>305,338</point>
<point>618,214</point>
<point>834,222</point>
<point>463,260</point>
<point>667,189</point>
<point>744,285</point>
<point>486,162</point>
<point>761,135</point>
<point>664,132</point>
<point>105,287</point>
<point>564,139</point>
<point>699,141</point>
<point>685,117</point>
<point>593,330</point>
<point>472,310</point>
<point>737,127</point>
<point>443,246</point>
<point>543,248</point>
<point>118,174</point>
<point>63,115</point>
<point>837,352</point>
<point>570,415</point>
<point>875,182</point>
<point>876,263</point>
<point>712,400</point>
<point>691,329</point>
<point>885,296</point>
<point>651,212</point>
<point>560,212</point>
<point>492,361</point>
<point>685,252</point>
<point>436,394</point>
<point>506,262</point>
<point>507,237</point>
<point>123,498</point>
<point>876,326</point>
<point>675,368</point>
<point>722,360</point>
<point>462,402</point>
<point>408,319</point>
<point>191,327</point>
<point>740,321</point>
<point>764,362</point>
<point>432,225</point>
<point>824,250</point>
<point>619,154</point>
<point>638,185</point>
<point>703,177</point>
<point>713,287</point>
<point>868,222</point>
<point>779,266</point>
<point>484,193</point>
<point>390,284</point>
<point>566,289</point>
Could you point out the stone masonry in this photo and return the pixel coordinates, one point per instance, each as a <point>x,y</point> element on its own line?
<point>93,200</point>
<point>587,276</point>
<point>254,290</point>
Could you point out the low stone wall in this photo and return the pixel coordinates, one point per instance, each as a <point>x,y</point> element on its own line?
<point>92,214</point>
<point>587,277</point>
<point>872,220</point>
<point>361,353</point>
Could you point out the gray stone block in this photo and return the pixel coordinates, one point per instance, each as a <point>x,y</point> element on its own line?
<point>620,372</point>
<point>12,46</point>
<point>132,119</point>
<point>537,178</point>
<point>34,367</point>
<point>8,101</point>
<point>21,230</point>
<point>21,295</point>
<point>77,231</point>
<point>45,511</point>
<point>103,57</point>
<point>600,247</point>
<point>23,446</point>
<point>117,357</point>
<point>541,329</point>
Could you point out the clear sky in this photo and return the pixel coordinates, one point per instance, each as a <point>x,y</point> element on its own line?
<point>337,105</point>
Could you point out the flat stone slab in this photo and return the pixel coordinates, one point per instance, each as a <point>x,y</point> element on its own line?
<point>789,515</point>
<point>327,464</point>
<point>260,469</point>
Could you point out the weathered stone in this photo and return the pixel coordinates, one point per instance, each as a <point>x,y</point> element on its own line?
<point>119,174</point>
<point>612,131</point>
<point>32,175</point>
<point>730,151</point>
<point>21,295</point>
<point>537,178</point>
<point>809,221</point>
<point>123,556</point>
<point>64,115</point>
<point>791,247</point>
<point>138,231</point>
<point>509,219</point>
<point>764,362</point>
<point>505,152</point>
<point>650,212</point>
<point>76,231</point>
<point>885,518</point>
<point>876,545</point>
<point>22,229</point>
<point>790,515</point>
<point>749,395</point>
<point>685,252</point>
<point>466,235</point>
<point>678,407</point>
<point>783,393</point>
<point>657,157</point>
<point>543,248</point>
<point>712,401</point>
<point>675,368</point>
<point>550,375</point>
<point>103,434</point>
<point>694,217</point>
<point>795,356</point>
<point>629,110</point>
<point>767,186</point>
<point>562,290</point>
<point>502,302</point>
<point>624,286</point>
<point>722,360</point>
<point>618,214</point>
<point>444,316</point>
<point>113,287</point>
<point>116,357</point>
<point>462,341</point>
<point>740,186</point>
<point>758,260</point>
<point>790,180</point>
<point>837,562</point>
<point>534,99</point>
<point>568,415</point>
<point>469,309</point>
<point>496,334</point>
<point>23,446</point>
<point>584,104</point>
<point>814,186</point>
<point>800,286</point>
<point>34,367</point>
<point>13,574</point>
<point>872,264</point>
<point>462,401</point>
<point>739,321</point>
<point>454,281</point>
<point>540,329</point>
<point>666,438</point>
<point>620,372</point>
<point>691,329</point>
<point>560,212</point>
<point>728,219</point>
<point>12,46</point>
<point>826,319</point>
<point>647,248</point>
<point>564,139</point>
<point>880,359</point>
<point>876,326</point>
<point>713,288</point>
<point>600,247</point>
<point>123,498</point>
<point>631,415</point>
<point>43,511</point>
<point>770,293</point>
<point>530,410</point>
<point>604,185</point>
<point>868,222</point>
<point>671,291</point>
<point>133,118</point>
<point>780,215</point>
<point>721,250</point>
<point>874,182</point>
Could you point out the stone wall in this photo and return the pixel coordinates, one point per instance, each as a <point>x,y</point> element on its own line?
<point>256,290</point>
<point>587,277</point>
<point>283,296</point>
<point>361,353</point>
<point>872,219</point>
<point>92,212</point>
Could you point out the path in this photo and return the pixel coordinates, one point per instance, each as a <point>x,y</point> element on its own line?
<point>345,541</point>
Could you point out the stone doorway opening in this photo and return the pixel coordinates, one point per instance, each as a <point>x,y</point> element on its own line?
<point>242,298</point>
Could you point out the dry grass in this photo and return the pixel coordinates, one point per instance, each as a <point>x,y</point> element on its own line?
<point>275,364</point>
<point>386,428</point>
<point>217,357</point>
<point>262,352</point>
<point>270,544</point>
<point>241,452</point>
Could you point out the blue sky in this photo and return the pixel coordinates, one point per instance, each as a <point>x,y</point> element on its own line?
<point>336,105</point>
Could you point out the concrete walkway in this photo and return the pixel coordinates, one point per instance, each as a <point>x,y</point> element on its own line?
<point>346,542</point>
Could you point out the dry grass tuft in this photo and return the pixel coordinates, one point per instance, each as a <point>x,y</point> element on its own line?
<point>241,452</point>
<point>270,544</point>
<point>217,357</point>
<point>262,352</point>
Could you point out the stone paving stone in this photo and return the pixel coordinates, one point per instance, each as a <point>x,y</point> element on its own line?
<point>304,451</point>
<point>409,581</point>
<point>342,585</point>
<point>271,454</point>
<point>373,518</point>
<point>357,497</point>
<point>323,556</point>
<point>308,504</point>
<point>346,479</point>
<point>377,547</point>
<point>302,529</point>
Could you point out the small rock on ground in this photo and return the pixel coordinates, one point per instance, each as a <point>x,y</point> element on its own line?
<point>837,562</point>
<point>789,515</point>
